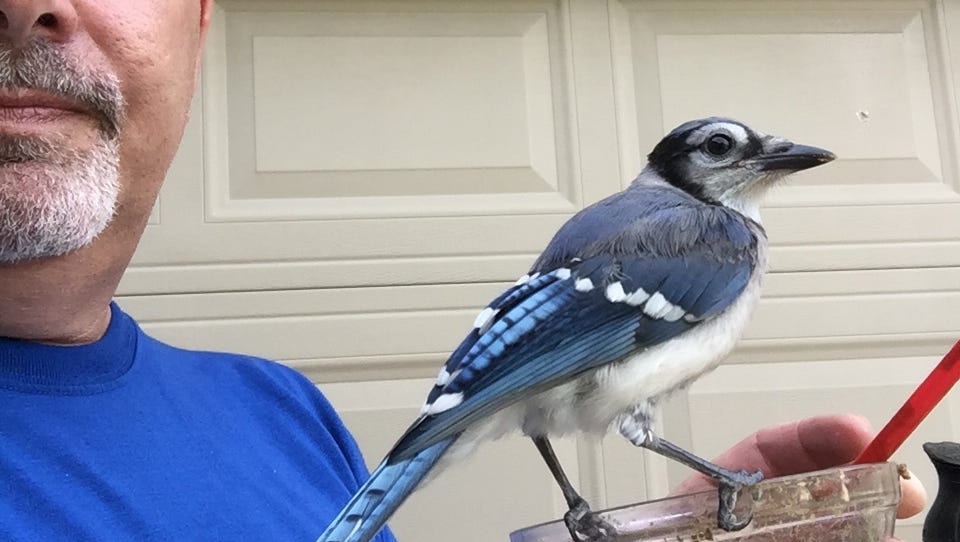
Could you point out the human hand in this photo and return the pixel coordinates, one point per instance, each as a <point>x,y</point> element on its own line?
<point>811,444</point>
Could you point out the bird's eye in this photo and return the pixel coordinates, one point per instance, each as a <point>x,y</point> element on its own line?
<point>718,145</point>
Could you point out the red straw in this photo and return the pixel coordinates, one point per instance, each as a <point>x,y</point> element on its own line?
<point>920,403</point>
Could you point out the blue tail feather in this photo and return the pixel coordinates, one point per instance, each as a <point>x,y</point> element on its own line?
<point>389,485</point>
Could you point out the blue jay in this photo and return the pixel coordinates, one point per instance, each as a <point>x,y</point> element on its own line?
<point>635,297</point>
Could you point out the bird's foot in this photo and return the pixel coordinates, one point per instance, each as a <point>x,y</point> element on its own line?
<point>729,492</point>
<point>587,526</point>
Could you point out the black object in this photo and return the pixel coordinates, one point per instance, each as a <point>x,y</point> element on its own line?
<point>943,519</point>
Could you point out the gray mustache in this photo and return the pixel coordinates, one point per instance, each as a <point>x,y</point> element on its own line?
<point>43,66</point>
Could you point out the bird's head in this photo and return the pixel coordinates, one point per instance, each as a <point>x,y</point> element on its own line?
<point>723,160</point>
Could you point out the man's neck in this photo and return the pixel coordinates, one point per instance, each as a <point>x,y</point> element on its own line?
<point>62,300</point>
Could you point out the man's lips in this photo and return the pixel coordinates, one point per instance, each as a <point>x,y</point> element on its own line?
<point>33,106</point>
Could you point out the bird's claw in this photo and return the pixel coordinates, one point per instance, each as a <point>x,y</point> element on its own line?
<point>729,493</point>
<point>586,526</point>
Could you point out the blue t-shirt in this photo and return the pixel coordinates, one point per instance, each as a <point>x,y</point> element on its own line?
<point>131,439</point>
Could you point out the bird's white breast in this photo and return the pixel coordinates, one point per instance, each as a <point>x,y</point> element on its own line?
<point>592,402</point>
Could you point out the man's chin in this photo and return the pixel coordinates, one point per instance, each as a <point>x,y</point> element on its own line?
<point>53,202</point>
<point>36,246</point>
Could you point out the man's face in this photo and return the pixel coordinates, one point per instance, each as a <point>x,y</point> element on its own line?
<point>93,100</point>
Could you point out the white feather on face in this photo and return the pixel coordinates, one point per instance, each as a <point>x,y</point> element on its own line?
<point>737,132</point>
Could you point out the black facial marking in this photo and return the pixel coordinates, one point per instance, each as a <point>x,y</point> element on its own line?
<point>753,146</point>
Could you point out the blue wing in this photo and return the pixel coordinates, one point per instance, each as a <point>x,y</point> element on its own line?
<point>585,307</point>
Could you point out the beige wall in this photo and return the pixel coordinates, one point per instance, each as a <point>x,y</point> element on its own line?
<point>359,178</point>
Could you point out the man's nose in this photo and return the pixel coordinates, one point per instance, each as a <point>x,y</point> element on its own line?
<point>23,20</point>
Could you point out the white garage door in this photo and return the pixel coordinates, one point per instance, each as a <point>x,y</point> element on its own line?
<point>359,178</point>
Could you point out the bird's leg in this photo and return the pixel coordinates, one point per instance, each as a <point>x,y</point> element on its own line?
<point>584,525</point>
<point>636,429</point>
<point>730,482</point>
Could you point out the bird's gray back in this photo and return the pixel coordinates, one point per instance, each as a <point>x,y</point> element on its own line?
<point>651,220</point>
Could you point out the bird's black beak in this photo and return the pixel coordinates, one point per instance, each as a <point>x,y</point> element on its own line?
<point>792,158</point>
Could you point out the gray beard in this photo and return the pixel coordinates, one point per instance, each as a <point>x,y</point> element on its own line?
<point>54,200</point>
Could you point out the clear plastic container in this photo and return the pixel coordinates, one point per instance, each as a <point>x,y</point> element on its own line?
<point>850,504</point>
